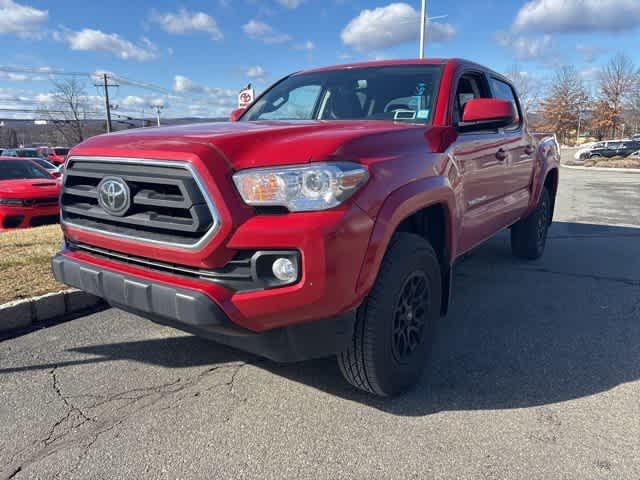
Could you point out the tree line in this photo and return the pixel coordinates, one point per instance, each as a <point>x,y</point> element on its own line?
<point>568,108</point>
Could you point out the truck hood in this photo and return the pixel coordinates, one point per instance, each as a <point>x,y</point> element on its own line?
<point>29,188</point>
<point>245,144</point>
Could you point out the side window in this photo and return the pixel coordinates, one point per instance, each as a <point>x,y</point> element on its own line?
<point>504,91</point>
<point>470,86</point>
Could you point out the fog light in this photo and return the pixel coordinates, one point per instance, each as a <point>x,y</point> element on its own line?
<point>284,270</point>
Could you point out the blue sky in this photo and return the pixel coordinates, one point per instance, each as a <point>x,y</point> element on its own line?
<point>202,52</point>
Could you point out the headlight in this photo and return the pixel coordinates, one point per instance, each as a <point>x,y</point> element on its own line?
<point>11,202</point>
<point>316,186</point>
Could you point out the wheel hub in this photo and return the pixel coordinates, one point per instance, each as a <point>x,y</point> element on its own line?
<point>410,316</point>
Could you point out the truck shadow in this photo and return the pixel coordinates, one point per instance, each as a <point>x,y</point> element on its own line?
<point>519,334</point>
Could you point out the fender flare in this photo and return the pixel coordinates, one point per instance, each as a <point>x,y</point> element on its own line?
<point>398,206</point>
<point>548,160</point>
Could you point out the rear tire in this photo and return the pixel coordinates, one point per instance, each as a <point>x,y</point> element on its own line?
<point>529,235</point>
<point>395,324</point>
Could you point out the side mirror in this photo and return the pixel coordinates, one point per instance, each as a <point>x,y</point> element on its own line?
<point>487,113</point>
<point>236,114</point>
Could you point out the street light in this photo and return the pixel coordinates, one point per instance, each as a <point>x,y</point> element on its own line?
<point>423,27</point>
<point>424,20</point>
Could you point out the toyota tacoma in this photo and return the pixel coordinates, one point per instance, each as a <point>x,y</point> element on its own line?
<point>324,219</point>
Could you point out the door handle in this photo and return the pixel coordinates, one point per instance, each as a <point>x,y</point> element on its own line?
<point>501,155</point>
<point>528,150</point>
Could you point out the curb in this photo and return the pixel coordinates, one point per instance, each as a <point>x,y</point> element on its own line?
<point>602,169</point>
<point>21,314</point>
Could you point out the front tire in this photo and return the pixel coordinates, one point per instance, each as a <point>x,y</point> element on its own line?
<point>395,324</point>
<point>529,235</point>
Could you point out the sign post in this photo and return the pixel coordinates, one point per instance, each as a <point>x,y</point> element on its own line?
<point>246,96</point>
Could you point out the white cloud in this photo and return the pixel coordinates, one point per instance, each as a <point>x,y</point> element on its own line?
<point>13,77</point>
<point>134,101</point>
<point>525,48</point>
<point>21,20</point>
<point>45,98</point>
<point>308,45</point>
<point>256,73</point>
<point>182,84</point>
<point>264,33</point>
<point>183,21</point>
<point>589,53</point>
<point>395,24</point>
<point>96,40</point>
<point>290,3</point>
<point>550,16</point>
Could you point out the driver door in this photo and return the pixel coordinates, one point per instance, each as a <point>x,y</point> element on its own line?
<point>483,169</point>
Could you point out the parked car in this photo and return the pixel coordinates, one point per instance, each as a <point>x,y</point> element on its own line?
<point>28,194</point>
<point>612,148</point>
<point>324,220</point>
<point>49,167</point>
<point>21,152</point>
<point>58,155</point>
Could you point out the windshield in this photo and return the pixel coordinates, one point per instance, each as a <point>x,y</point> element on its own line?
<point>61,151</point>
<point>44,164</point>
<point>21,169</point>
<point>399,93</point>
<point>27,153</point>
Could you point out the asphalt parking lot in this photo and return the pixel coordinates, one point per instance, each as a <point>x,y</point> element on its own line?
<point>535,374</point>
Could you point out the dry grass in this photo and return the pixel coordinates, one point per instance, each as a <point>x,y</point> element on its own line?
<point>614,162</point>
<point>25,257</point>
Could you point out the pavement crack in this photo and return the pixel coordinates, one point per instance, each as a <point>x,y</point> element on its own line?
<point>626,281</point>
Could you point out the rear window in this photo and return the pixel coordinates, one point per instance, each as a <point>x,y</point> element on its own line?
<point>61,151</point>
<point>28,154</point>
<point>21,169</point>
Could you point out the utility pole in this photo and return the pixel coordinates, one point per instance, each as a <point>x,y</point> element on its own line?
<point>423,27</point>
<point>107,105</point>
<point>158,109</point>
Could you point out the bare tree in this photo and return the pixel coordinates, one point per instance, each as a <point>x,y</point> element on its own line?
<point>616,83</point>
<point>561,108</point>
<point>9,137</point>
<point>632,114</point>
<point>528,88</point>
<point>68,111</point>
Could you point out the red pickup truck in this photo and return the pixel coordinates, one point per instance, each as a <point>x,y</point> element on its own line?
<point>325,219</point>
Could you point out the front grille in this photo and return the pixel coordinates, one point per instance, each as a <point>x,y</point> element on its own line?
<point>45,220</point>
<point>248,270</point>
<point>42,201</point>
<point>168,204</point>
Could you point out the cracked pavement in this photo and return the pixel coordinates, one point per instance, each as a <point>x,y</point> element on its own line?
<point>535,374</point>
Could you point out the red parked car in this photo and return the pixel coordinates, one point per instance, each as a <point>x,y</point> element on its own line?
<point>326,219</point>
<point>28,195</point>
<point>57,155</point>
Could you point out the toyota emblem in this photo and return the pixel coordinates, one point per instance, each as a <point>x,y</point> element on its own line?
<point>114,196</point>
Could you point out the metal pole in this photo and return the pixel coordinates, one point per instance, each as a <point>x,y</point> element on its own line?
<point>106,101</point>
<point>423,27</point>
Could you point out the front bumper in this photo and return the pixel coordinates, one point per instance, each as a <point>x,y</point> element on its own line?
<point>195,312</point>
<point>332,246</point>
<point>25,217</point>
